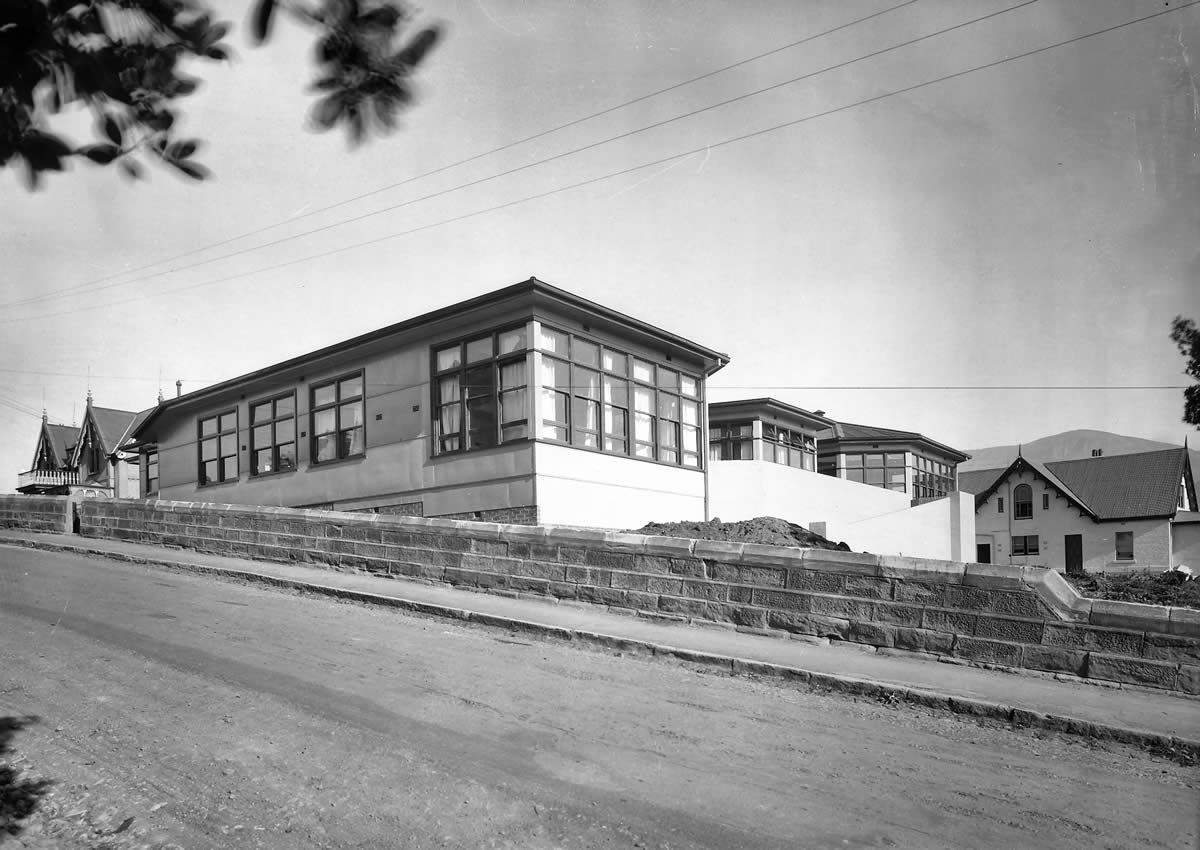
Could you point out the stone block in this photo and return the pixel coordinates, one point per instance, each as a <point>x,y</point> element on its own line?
<point>989,651</point>
<point>628,581</point>
<point>868,587</point>
<point>788,621</point>
<point>641,601</point>
<point>923,640</point>
<point>1171,648</point>
<point>1055,659</point>
<point>953,622</point>
<point>743,615</point>
<point>994,576</point>
<point>542,570</point>
<point>654,564</point>
<point>489,547</point>
<point>836,561</point>
<point>532,550</point>
<point>737,593</point>
<point>842,607</point>
<point>667,547</point>
<point>921,569</point>
<point>1188,680</point>
<point>897,614</point>
<point>1129,615</point>
<point>759,554</point>
<point>718,550</point>
<point>1009,629</point>
<point>1134,671</point>
<point>700,590</point>
<point>721,571</point>
<point>685,607</point>
<point>601,595</point>
<point>610,560</point>
<point>690,567</point>
<point>872,634</point>
<point>919,592</point>
<point>761,576</point>
<point>590,575</point>
<point>1019,604</point>
<point>669,586</point>
<point>813,581</point>
<point>572,555</point>
<point>780,600</point>
<point>622,541</point>
<point>974,599</point>
<point>1184,621</point>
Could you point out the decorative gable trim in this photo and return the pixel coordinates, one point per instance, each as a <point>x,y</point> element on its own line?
<point>1020,466</point>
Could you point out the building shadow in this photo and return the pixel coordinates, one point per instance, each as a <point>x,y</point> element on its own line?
<point>19,797</point>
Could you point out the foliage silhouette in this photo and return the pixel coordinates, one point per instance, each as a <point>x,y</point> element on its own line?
<point>122,61</point>
<point>1186,335</point>
<point>18,797</point>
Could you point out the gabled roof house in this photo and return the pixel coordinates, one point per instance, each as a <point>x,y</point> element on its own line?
<point>51,471</point>
<point>1114,512</point>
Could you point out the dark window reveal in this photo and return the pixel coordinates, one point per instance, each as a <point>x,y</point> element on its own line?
<point>218,448</point>
<point>338,414</point>
<point>273,435</point>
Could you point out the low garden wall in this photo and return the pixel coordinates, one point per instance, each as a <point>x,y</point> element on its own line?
<point>1017,617</point>
<point>36,513</point>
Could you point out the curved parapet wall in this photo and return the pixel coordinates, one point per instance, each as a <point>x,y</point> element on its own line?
<point>1017,617</point>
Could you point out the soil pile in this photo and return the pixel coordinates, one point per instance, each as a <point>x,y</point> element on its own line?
<point>764,529</point>
<point>1146,586</point>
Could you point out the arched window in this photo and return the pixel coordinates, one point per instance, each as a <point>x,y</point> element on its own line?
<point>1022,502</point>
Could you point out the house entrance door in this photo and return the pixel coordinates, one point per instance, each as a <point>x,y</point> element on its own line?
<point>1073,549</point>
<point>983,553</point>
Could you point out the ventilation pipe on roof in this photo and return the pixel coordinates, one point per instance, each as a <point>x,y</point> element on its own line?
<point>178,389</point>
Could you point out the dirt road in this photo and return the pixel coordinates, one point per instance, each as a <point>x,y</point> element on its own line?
<point>183,711</point>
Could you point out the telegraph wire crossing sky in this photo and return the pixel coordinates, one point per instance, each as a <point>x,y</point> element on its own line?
<point>864,197</point>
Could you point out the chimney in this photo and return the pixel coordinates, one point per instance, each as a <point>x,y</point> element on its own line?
<point>819,412</point>
<point>89,398</point>
<point>178,388</point>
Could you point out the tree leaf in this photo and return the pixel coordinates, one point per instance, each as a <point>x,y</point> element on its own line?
<point>218,52</point>
<point>100,154</point>
<point>415,51</point>
<point>260,20</point>
<point>328,110</point>
<point>193,169</point>
<point>131,168</point>
<point>112,129</point>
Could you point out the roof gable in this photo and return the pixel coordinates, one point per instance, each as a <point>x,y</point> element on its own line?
<point>1126,486</point>
<point>105,426</point>
<point>1021,465</point>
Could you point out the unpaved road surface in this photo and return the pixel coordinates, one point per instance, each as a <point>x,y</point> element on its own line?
<point>182,711</point>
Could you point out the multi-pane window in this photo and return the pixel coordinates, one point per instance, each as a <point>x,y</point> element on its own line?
<point>481,385</point>
<point>931,478</point>
<point>734,441</point>
<point>273,435</point>
<point>1022,502</point>
<point>1026,544</point>
<point>218,448</point>
<point>790,448</point>
<point>151,472</point>
<point>338,415</point>
<point>879,469</point>
<point>1124,545</point>
<point>600,398</point>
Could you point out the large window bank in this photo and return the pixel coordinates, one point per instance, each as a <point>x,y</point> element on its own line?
<point>527,404</point>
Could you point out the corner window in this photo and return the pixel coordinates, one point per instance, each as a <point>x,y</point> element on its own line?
<point>273,435</point>
<point>1124,545</point>
<point>218,448</point>
<point>879,469</point>
<point>151,480</point>
<point>599,398</point>
<point>1022,502</point>
<point>793,448</point>
<point>338,416</point>
<point>1025,544</point>
<point>731,442</point>
<point>481,389</point>
<point>931,478</point>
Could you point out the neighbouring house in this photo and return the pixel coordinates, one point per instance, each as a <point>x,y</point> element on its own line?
<point>51,472</point>
<point>87,460</point>
<point>527,404</point>
<point>764,456</point>
<point>1100,513</point>
<point>903,461</point>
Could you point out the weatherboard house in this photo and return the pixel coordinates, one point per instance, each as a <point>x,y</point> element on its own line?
<point>527,404</point>
<point>1101,513</point>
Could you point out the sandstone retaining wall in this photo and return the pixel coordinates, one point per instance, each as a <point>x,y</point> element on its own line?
<point>1018,617</point>
<point>36,513</point>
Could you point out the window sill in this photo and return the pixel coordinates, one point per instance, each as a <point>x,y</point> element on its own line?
<point>212,484</point>
<point>325,464</point>
<point>254,476</point>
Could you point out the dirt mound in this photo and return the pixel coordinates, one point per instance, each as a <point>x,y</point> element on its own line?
<point>764,529</point>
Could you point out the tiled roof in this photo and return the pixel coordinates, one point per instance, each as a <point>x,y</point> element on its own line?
<point>1125,486</point>
<point>848,432</point>
<point>977,480</point>
<point>112,425</point>
<point>62,440</point>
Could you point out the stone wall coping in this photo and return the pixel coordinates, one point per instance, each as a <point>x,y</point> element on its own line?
<point>1059,596</point>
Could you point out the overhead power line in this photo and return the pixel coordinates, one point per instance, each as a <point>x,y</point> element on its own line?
<point>555,157</point>
<point>652,163</point>
<point>466,161</point>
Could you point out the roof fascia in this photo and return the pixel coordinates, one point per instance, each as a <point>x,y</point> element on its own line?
<point>1022,465</point>
<point>756,406</point>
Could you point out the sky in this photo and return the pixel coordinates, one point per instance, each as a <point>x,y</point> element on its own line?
<point>985,259</point>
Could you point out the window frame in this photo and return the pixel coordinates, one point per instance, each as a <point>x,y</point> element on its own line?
<point>336,406</point>
<point>1022,507</point>
<point>274,446</point>
<point>218,436</point>
<point>1118,538</point>
<point>1024,549</point>
<point>1045,501</point>
<point>999,504</point>
<point>497,391</point>
<point>151,456</point>
<point>662,391</point>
